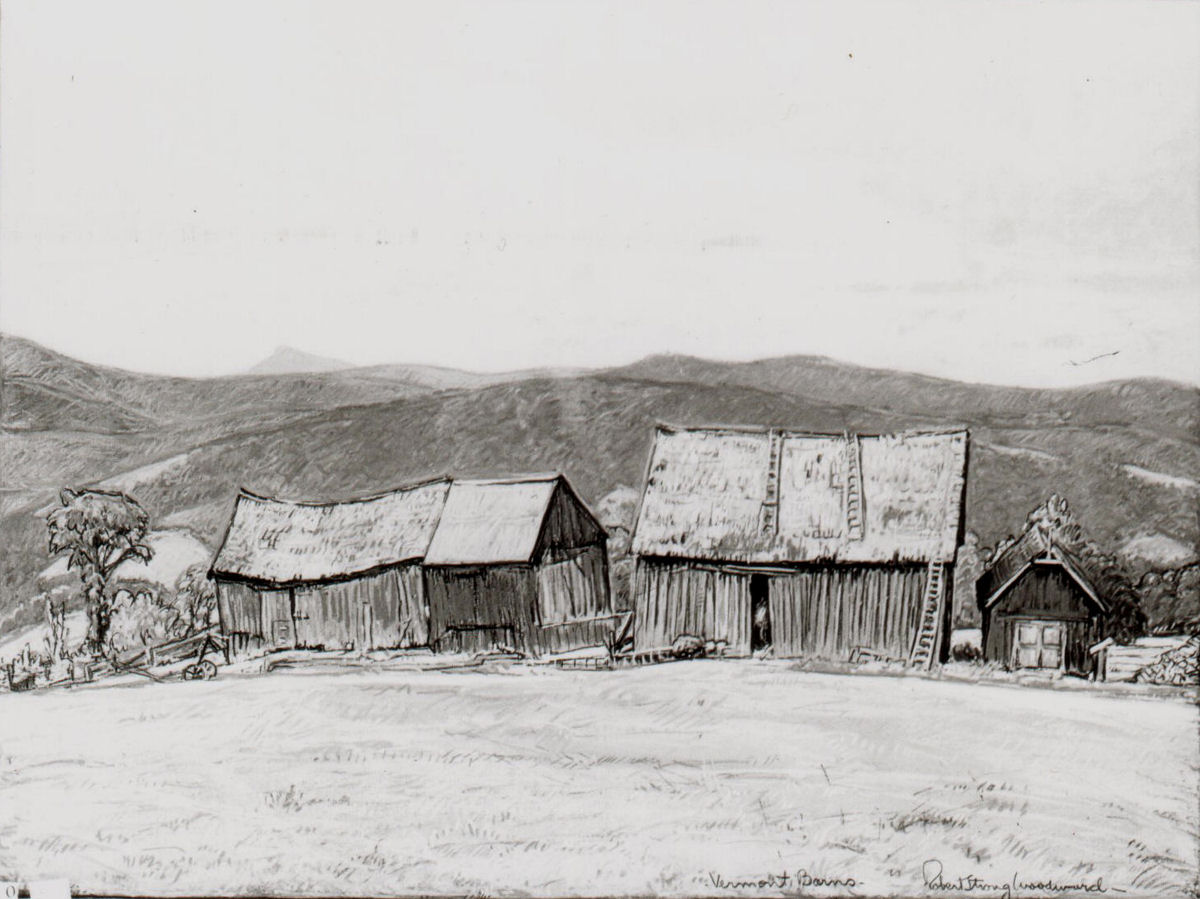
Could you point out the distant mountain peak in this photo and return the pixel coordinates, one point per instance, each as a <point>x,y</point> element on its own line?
<point>289,360</point>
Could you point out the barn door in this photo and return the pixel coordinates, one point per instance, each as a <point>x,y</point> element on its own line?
<point>1039,644</point>
<point>278,630</point>
<point>760,612</point>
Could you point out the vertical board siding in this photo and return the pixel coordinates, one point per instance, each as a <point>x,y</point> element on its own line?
<point>1044,593</point>
<point>673,599</point>
<point>413,611</point>
<point>326,616</point>
<point>824,612</point>
<point>578,634</point>
<point>333,616</point>
<point>238,607</point>
<point>828,612</point>
<point>278,629</point>
<point>576,587</point>
<point>568,524</point>
<point>466,599</point>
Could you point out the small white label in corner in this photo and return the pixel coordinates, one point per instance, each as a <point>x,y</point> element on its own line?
<point>49,889</point>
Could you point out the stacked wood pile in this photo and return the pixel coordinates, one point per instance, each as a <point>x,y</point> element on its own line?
<point>1124,661</point>
<point>1177,667</point>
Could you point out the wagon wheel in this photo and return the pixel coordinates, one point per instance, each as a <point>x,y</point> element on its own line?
<point>208,669</point>
<point>193,672</point>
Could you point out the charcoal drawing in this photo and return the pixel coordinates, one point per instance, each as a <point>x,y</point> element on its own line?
<point>596,449</point>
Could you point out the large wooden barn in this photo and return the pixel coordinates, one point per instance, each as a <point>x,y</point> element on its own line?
<point>1040,606</point>
<point>801,545</point>
<point>451,564</point>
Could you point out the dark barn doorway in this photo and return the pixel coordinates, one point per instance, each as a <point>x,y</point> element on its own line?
<point>760,612</point>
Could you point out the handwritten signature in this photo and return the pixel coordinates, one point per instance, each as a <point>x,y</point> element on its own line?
<point>783,880</point>
<point>933,872</point>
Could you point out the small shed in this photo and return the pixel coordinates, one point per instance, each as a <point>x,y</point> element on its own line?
<point>518,562</point>
<point>1040,606</point>
<point>829,546</point>
<point>339,575</point>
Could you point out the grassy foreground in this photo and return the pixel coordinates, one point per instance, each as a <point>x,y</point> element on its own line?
<point>715,778</point>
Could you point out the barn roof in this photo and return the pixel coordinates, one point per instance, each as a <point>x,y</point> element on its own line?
<point>282,542</point>
<point>761,496</point>
<point>1034,546</point>
<point>489,522</point>
<point>442,522</point>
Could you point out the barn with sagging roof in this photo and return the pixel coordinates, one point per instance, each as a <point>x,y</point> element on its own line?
<point>822,546</point>
<point>341,575</point>
<point>457,565</point>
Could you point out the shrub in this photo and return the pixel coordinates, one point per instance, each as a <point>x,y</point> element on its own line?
<point>965,652</point>
<point>141,619</point>
<point>687,647</point>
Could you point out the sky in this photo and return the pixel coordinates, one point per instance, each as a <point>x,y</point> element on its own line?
<point>997,190</point>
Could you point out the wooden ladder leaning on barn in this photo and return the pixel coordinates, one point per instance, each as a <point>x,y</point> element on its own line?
<point>854,502</point>
<point>769,523</point>
<point>925,645</point>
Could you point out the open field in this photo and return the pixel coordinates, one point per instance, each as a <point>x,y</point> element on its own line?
<point>684,778</point>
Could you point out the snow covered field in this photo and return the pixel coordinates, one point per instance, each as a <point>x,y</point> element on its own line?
<point>710,777</point>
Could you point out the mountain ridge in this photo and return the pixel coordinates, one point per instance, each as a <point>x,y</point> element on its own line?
<point>1126,464</point>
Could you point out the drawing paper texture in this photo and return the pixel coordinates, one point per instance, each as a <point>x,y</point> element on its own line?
<point>594,449</point>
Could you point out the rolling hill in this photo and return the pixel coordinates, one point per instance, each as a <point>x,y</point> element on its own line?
<point>1125,454</point>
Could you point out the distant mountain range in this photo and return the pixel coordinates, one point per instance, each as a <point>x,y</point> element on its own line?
<point>287,360</point>
<point>1126,454</point>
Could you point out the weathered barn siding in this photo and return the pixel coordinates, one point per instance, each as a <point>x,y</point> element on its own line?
<point>1043,593</point>
<point>239,609</point>
<point>570,635</point>
<point>567,524</point>
<point>278,629</point>
<point>1078,635</point>
<point>573,584</point>
<point>473,605</point>
<point>327,615</point>
<point>382,611</point>
<point>822,612</point>
<point>412,612</point>
<point>836,535</point>
<point>462,566</point>
<point>706,601</point>
<point>827,612</point>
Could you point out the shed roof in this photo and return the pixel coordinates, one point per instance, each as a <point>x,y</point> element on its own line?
<point>709,495</point>
<point>297,542</point>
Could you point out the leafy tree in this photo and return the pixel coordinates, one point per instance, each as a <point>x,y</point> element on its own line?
<point>98,530</point>
<point>196,598</point>
<point>1171,599</point>
<point>616,512</point>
